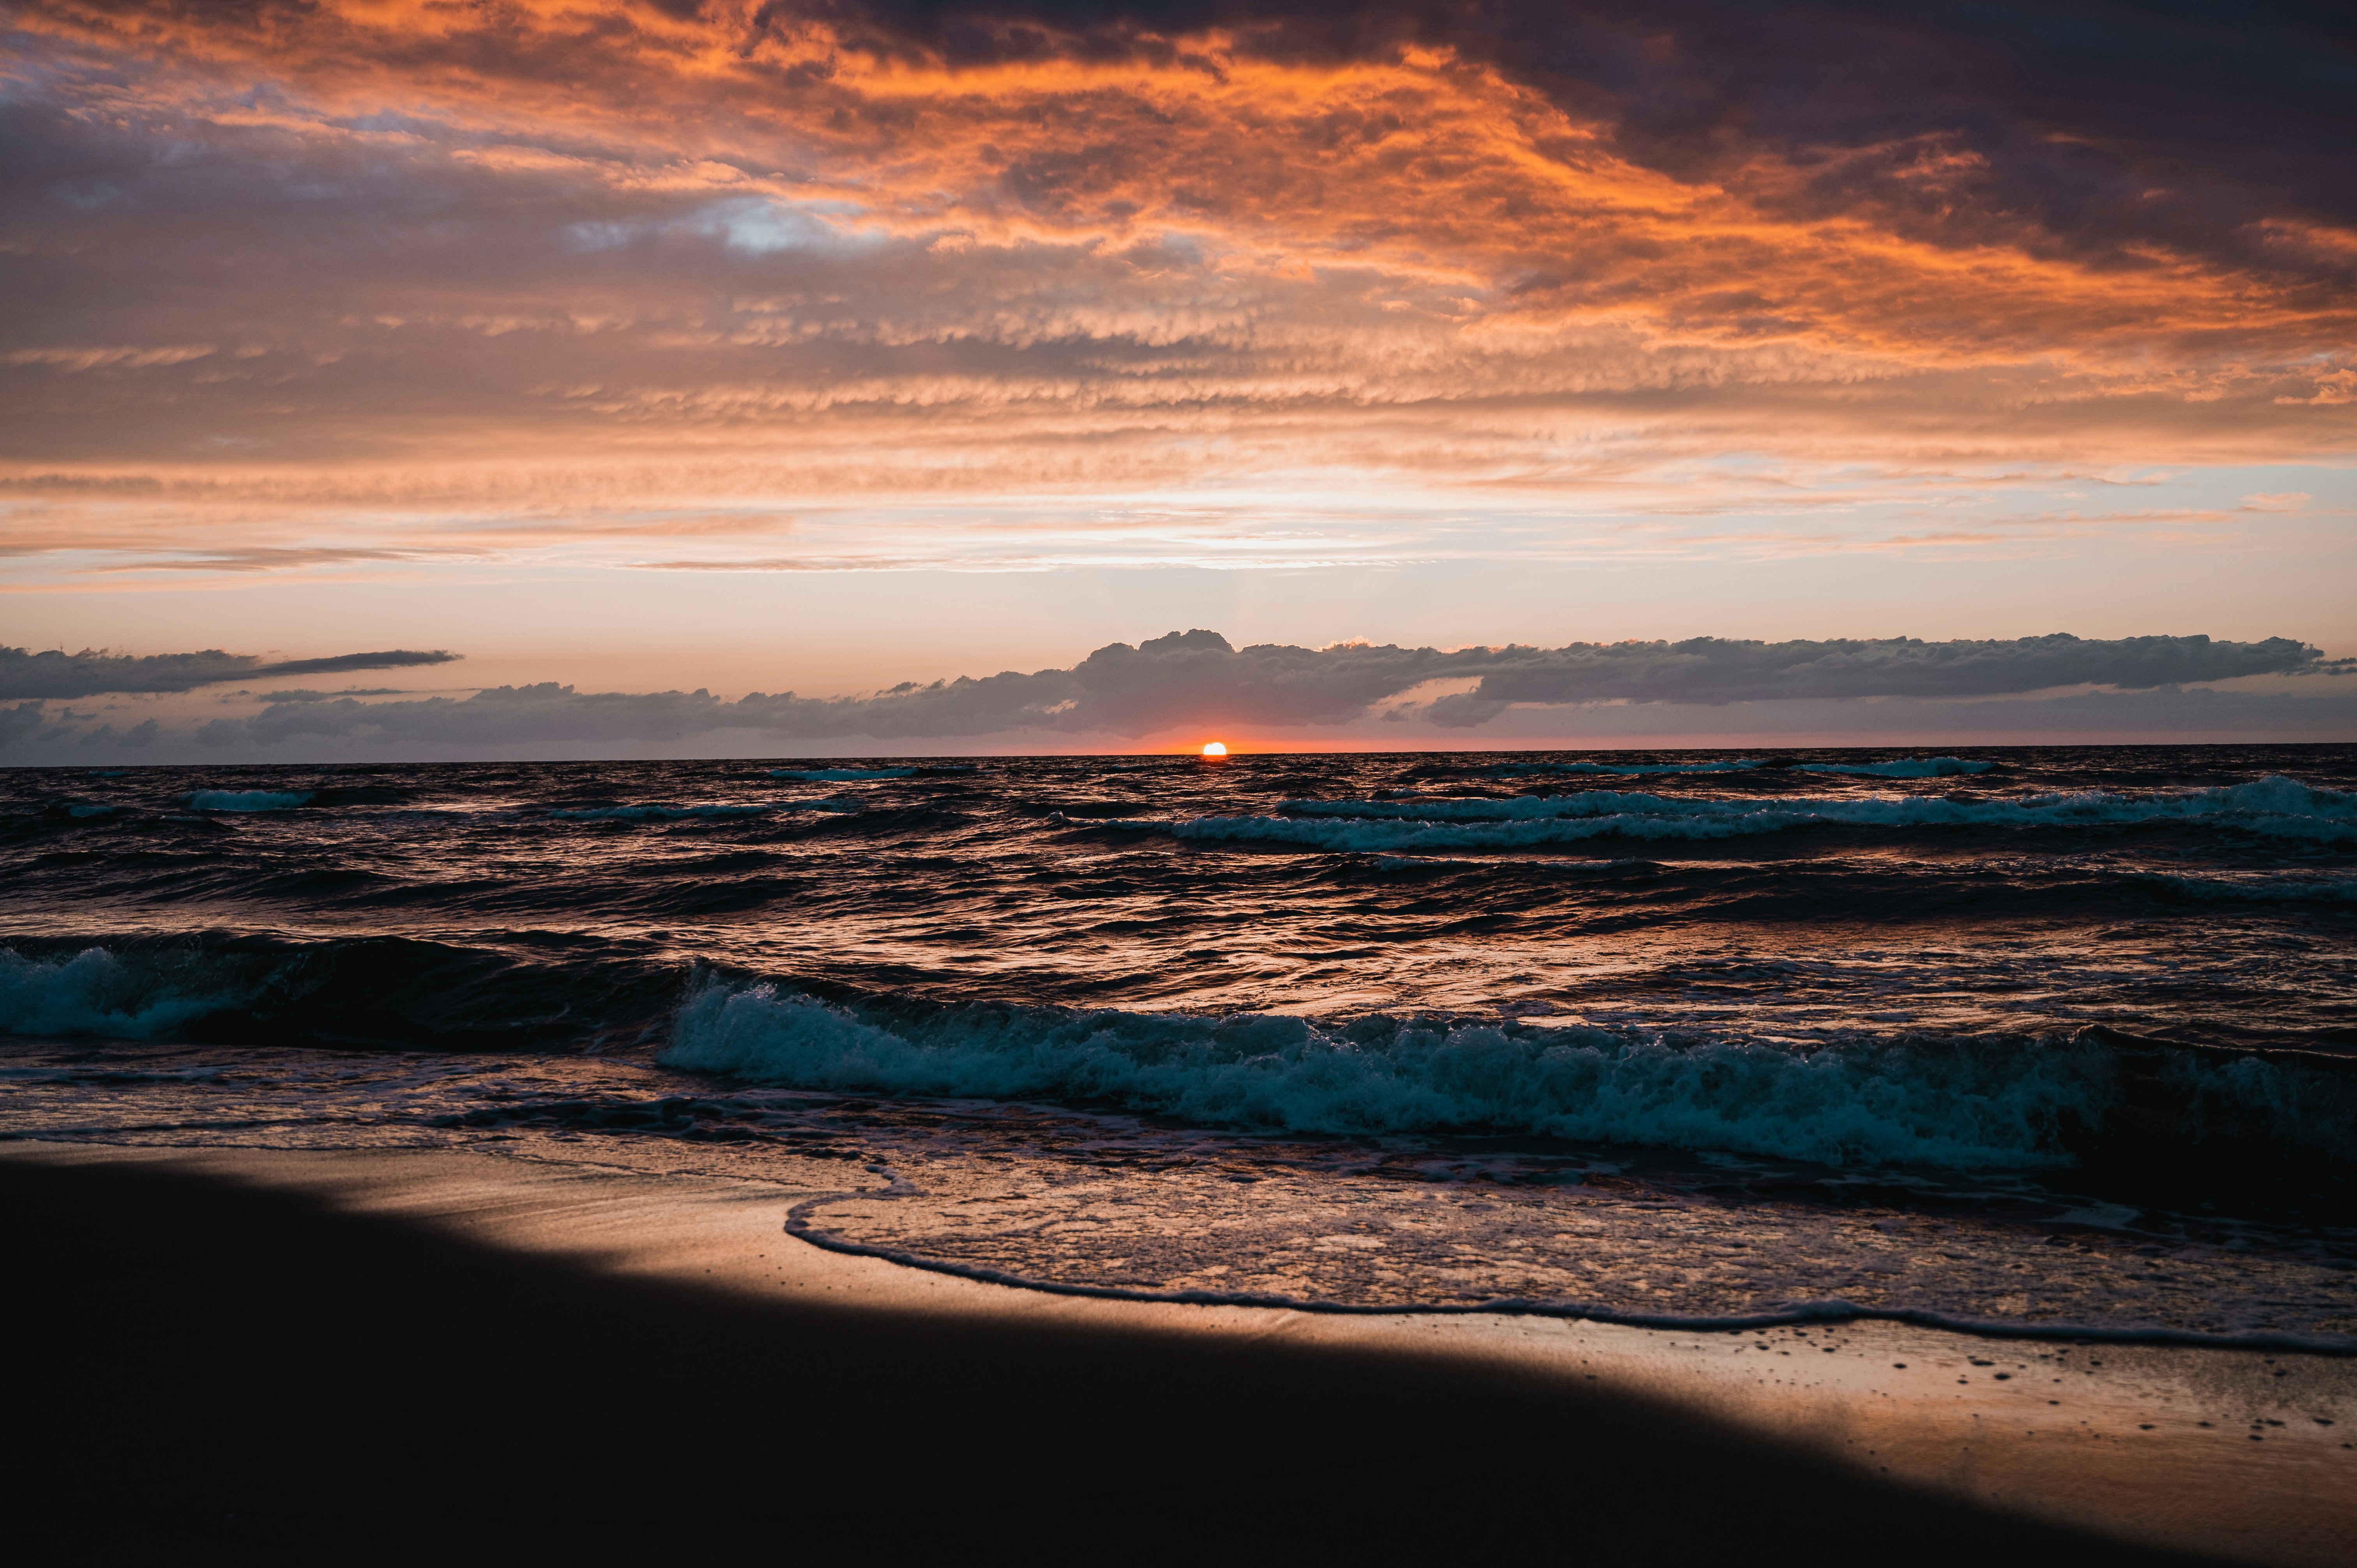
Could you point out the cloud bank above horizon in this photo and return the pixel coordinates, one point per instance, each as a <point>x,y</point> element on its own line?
<point>1197,684</point>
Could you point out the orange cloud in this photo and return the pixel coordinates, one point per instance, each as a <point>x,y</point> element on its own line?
<point>603,269</point>
<point>1428,167</point>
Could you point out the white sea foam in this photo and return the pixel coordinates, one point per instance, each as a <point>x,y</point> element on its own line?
<point>838,775</point>
<point>95,993</point>
<point>1864,1103</point>
<point>245,800</point>
<point>2274,807</point>
<point>1550,862</point>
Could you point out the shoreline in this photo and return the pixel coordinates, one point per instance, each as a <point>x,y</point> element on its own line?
<point>1832,1314</point>
<point>2123,1451</point>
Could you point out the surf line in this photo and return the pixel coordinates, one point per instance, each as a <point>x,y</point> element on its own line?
<point>800,1227</point>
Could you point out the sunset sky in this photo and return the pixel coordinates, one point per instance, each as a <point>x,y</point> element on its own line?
<point>819,347</point>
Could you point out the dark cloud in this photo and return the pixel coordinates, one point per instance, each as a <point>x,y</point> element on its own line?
<point>1196,679</point>
<point>2103,125</point>
<point>20,721</point>
<point>342,663</point>
<point>57,674</point>
<point>1715,669</point>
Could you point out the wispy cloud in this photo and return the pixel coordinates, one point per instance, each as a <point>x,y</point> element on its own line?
<point>274,558</point>
<point>57,674</point>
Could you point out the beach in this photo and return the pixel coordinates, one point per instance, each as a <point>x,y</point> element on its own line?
<point>372,1352</point>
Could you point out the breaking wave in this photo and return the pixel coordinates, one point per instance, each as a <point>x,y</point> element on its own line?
<point>1964,1104</point>
<point>374,993</point>
<point>95,993</point>
<point>1858,1098</point>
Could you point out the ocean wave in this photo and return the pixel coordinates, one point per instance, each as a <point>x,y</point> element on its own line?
<point>376,993</point>
<point>245,800</point>
<point>86,810</point>
<point>1516,770</point>
<point>2274,807</point>
<point>1967,1104</point>
<point>2256,887</point>
<point>1905,767</point>
<point>839,774</point>
<point>682,813</point>
<point>1552,863</point>
<point>1860,1097</point>
<point>95,993</point>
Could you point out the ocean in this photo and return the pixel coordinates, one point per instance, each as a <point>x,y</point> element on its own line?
<point>2042,1040</point>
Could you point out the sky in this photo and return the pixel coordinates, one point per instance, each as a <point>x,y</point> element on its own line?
<point>645,357</point>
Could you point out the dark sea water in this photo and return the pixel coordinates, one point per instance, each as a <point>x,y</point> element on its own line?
<point>2047,1039</point>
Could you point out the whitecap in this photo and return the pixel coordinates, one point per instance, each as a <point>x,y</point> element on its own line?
<point>95,993</point>
<point>1865,1102</point>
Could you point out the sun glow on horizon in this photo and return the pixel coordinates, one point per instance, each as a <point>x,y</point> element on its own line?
<point>1215,748</point>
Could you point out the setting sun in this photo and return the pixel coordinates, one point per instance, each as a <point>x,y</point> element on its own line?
<point>1215,748</point>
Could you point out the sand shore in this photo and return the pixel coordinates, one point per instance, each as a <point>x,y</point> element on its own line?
<point>379,1352</point>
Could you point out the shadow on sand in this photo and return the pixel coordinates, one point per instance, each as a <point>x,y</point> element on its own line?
<point>196,1362</point>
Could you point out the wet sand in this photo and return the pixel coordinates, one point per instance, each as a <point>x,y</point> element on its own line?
<point>383,1353</point>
